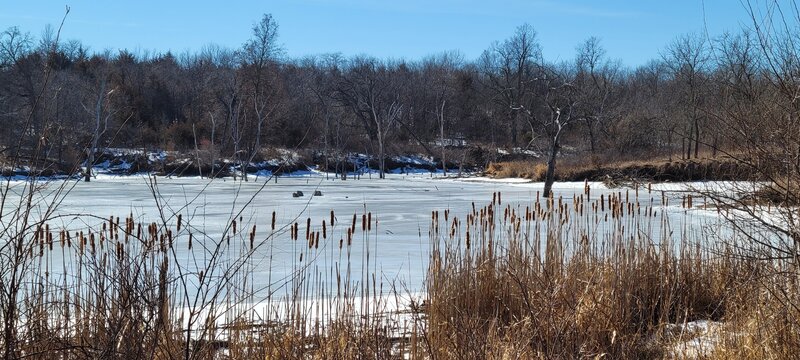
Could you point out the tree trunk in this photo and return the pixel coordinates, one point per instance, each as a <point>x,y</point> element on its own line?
<point>381,164</point>
<point>87,175</point>
<point>514,115</point>
<point>441,138</point>
<point>696,138</point>
<point>549,177</point>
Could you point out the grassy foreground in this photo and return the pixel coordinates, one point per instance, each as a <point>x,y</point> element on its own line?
<point>587,277</point>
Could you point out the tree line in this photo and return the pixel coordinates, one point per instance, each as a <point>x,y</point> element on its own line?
<point>698,97</point>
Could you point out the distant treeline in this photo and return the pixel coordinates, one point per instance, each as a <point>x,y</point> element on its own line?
<point>700,95</point>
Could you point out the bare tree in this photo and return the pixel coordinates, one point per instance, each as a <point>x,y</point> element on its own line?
<point>508,70</point>
<point>259,55</point>
<point>98,106</point>
<point>552,111</point>
<point>688,58</point>
<point>596,81</point>
<point>14,44</point>
<point>439,73</point>
<point>370,89</point>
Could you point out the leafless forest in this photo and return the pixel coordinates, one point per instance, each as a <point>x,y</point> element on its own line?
<point>701,97</point>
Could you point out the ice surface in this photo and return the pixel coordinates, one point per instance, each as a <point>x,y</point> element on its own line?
<point>398,250</point>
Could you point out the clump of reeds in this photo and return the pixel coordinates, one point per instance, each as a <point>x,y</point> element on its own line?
<point>550,285</point>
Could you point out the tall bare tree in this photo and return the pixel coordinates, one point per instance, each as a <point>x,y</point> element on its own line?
<point>259,57</point>
<point>508,69</point>
<point>688,58</point>
<point>370,89</point>
<point>596,81</point>
<point>439,75</point>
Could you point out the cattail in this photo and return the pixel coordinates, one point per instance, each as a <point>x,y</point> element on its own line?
<point>190,241</point>
<point>180,217</point>
<point>273,221</point>
<point>119,251</point>
<point>308,227</point>
<point>234,226</point>
<point>353,227</point>
<point>316,241</point>
<point>324,230</point>
<point>499,198</point>
<point>332,217</point>
<point>363,222</point>
<point>349,237</point>
<point>369,221</point>
<point>252,237</point>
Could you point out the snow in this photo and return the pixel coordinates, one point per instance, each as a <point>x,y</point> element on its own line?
<point>692,340</point>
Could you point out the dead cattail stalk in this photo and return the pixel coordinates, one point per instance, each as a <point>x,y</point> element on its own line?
<point>252,236</point>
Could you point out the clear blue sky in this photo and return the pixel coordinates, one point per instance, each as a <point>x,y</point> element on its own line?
<point>632,30</point>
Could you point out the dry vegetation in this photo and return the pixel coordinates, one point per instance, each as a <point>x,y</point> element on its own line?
<point>706,169</point>
<point>587,277</point>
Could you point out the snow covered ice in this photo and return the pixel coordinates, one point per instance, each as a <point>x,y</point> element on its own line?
<point>402,205</point>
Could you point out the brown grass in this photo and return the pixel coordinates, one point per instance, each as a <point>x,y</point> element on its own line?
<point>706,169</point>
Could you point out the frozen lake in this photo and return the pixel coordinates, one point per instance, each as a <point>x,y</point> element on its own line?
<point>396,251</point>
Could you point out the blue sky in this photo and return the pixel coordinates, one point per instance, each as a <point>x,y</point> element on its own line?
<point>632,31</point>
